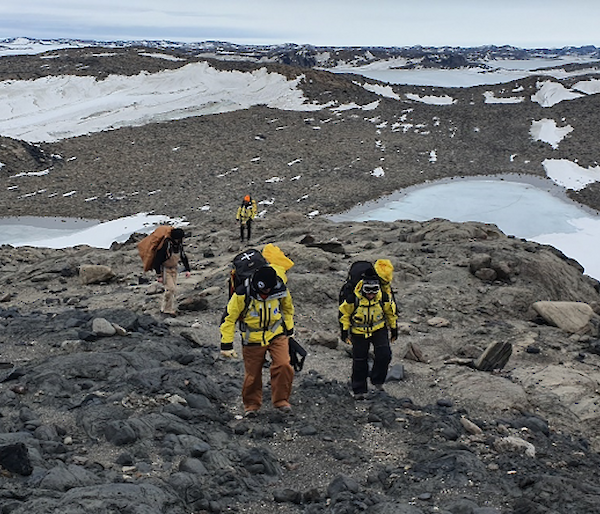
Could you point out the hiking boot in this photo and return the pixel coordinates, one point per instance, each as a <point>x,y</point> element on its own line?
<point>252,413</point>
<point>379,387</point>
<point>360,396</point>
<point>286,409</point>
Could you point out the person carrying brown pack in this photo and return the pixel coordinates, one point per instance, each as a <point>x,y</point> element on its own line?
<point>167,259</point>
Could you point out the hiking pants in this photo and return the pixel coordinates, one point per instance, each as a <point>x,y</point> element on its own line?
<point>282,373</point>
<point>360,359</point>
<point>170,283</point>
<point>248,226</point>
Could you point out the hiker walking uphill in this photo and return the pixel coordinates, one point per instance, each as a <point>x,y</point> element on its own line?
<point>263,306</point>
<point>245,214</point>
<point>365,317</point>
<point>165,263</point>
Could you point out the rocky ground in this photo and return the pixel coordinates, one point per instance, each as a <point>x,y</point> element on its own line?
<point>303,161</point>
<point>107,407</point>
<point>148,419</point>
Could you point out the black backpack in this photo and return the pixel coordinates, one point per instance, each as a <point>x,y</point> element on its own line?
<point>355,274</point>
<point>243,267</point>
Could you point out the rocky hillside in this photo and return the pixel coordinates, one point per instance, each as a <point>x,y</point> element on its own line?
<point>107,407</point>
<point>306,161</point>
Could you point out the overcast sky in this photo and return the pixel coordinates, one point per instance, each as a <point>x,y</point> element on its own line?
<point>522,23</point>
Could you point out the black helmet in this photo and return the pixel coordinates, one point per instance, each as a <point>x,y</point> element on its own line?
<point>264,279</point>
<point>370,282</point>
<point>177,234</point>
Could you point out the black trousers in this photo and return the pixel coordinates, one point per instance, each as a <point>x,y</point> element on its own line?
<point>360,359</point>
<point>248,226</point>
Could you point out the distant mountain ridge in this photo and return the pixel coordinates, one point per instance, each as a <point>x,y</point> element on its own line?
<point>310,56</point>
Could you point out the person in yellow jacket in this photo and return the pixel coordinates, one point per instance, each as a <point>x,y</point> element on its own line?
<point>245,214</point>
<point>364,322</point>
<point>265,311</point>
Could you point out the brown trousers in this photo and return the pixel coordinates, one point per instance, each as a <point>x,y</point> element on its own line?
<point>170,283</point>
<point>282,373</point>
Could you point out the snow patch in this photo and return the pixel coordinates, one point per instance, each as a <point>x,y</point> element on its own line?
<point>547,131</point>
<point>569,174</point>
<point>490,98</point>
<point>550,93</point>
<point>57,107</point>
<point>431,99</point>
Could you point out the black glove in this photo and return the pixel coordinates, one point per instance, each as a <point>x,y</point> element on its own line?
<point>297,354</point>
<point>344,335</point>
<point>394,332</point>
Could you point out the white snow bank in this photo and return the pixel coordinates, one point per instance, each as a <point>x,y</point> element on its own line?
<point>550,93</point>
<point>491,98</point>
<point>547,131</point>
<point>569,174</point>
<point>430,99</point>
<point>101,235</point>
<point>53,108</point>
<point>589,87</point>
<point>380,90</point>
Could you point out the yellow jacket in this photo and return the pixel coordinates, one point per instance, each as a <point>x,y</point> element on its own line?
<point>263,319</point>
<point>246,211</point>
<point>365,317</point>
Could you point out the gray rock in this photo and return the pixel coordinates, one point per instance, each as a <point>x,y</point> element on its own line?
<point>95,274</point>
<point>120,433</point>
<point>103,327</point>
<point>197,302</point>
<point>15,458</point>
<point>194,466</point>
<point>340,484</point>
<point>479,261</point>
<point>572,317</point>
<point>326,339</point>
<point>61,478</point>
<point>395,373</point>
<point>495,356</point>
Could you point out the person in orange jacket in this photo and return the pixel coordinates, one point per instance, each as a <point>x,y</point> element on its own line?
<point>245,214</point>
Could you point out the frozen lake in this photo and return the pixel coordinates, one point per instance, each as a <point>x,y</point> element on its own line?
<point>68,232</point>
<point>27,229</point>
<point>491,72</point>
<point>525,207</point>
